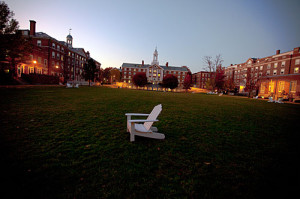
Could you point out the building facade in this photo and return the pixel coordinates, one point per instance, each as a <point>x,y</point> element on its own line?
<point>52,57</point>
<point>275,76</point>
<point>154,72</point>
<point>201,78</point>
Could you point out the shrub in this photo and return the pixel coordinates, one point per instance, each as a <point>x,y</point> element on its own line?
<point>170,81</point>
<point>139,79</point>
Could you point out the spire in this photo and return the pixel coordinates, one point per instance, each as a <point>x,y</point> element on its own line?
<point>155,57</point>
<point>70,39</point>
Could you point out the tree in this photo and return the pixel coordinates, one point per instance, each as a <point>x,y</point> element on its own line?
<point>105,75</point>
<point>14,47</point>
<point>187,81</point>
<point>140,79</point>
<point>219,78</point>
<point>211,66</point>
<point>115,75</point>
<point>90,69</point>
<point>170,81</point>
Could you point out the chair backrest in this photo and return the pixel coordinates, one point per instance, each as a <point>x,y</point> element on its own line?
<point>152,116</point>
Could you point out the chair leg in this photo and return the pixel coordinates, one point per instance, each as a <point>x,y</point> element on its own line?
<point>132,132</point>
<point>132,137</point>
<point>128,118</point>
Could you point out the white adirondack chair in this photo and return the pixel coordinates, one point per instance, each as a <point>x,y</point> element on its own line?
<point>271,100</point>
<point>146,129</point>
<point>279,101</point>
<point>69,85</point>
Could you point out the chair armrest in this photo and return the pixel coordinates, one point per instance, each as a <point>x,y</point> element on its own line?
<point>135,121</point>
<point>136,114</point>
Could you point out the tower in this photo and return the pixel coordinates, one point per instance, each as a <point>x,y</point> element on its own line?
<point>70,39</point>
<point>155,57</point>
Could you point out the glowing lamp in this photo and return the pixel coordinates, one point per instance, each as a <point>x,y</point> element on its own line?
<point>34,61</point>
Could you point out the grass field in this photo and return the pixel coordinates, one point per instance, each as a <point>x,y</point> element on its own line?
<point>72,143</point>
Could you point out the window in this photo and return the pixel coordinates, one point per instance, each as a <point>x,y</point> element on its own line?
<point>261,67</point>
<point>45,62</point>
<point>39,60</point>
<point>274,72</point>
<point>297,62</point>
<point>262,87</point>
<point>58,47</point>
<point>282,71</point>
<point>268,72</point>
<point>53,45</point>
<point>293,86</point>
<point>275,65</point>
<point>296,70</point>
<point>53,54</point>
<point>269,66</point>
<point>31,69</point>
<point>39,42</point>
<point>281,86</point>
<point>283,64</point>
<point>271,86</point>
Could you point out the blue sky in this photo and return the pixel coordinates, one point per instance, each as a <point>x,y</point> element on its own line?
<point>184,31</point>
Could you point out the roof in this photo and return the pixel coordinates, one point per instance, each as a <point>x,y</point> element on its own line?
<point>131,65</point>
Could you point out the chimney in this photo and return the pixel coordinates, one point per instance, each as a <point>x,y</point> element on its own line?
<point>88,54</point>
<point>32,27</point>
<point>167,64</point>
<point>142,62</point>
<point>277,52</point>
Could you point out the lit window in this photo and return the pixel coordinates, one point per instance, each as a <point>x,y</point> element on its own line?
<point>281,86</point>
<point>296,70</point>
<point>31,69</point>
<point>271,87</point>
<point>293,86</point>
<point>275,65</point>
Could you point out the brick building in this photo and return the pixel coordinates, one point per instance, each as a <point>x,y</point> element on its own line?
<point>276,75</point>
<point>201,78</point>
<point>154,71</point>
<point>53,57</point>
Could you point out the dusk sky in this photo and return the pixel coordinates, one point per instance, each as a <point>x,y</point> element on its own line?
<point>118,31</point>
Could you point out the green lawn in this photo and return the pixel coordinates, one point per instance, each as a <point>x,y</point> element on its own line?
<point>72,143</point>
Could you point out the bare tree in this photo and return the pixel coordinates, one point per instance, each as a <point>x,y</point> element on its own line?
<point>211,65</point>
